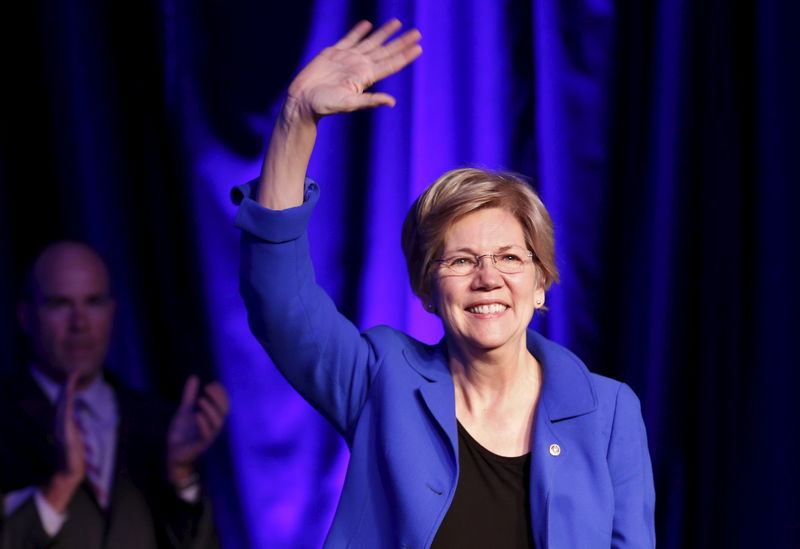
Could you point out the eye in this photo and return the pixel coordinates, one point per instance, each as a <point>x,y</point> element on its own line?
<point>56,302</point>
<point>511,258</point>
<point>97,300</point>
<point>460,261</point>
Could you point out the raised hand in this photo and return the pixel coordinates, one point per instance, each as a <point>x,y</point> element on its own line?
<point>59,489</point>
<point>336,79</point>
<point>195,425</point>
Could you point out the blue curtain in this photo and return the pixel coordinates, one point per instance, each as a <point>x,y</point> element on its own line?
<point>662,136</point>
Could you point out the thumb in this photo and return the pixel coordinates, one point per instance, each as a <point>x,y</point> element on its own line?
<point>376,99</point>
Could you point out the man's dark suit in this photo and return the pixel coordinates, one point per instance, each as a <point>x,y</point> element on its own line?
<point>143,513</point>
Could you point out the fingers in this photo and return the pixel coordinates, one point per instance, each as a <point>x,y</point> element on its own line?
<point>395,62</point>
<point>208,419</point>
<point>374,43</point>
<point>377,38</point>
<point>217,395</point>
<point>66,397</point>
<point>70,445</point>
<point>72,382</point>
<point>212,408</point>
<point>190,389</point>
<point>355,34</point>
<point>206,428</point>
<point>407,40</point>
<point>390,58</point>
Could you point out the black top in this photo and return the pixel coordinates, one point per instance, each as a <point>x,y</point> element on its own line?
<point>491,507</point>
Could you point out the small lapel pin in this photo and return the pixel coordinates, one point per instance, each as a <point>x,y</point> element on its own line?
<point>555,449</point>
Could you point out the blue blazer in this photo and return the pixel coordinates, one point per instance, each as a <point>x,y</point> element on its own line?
<point>392,399</point>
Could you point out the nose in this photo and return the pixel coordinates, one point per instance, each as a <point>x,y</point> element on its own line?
<point>487,275</point>
<point>479,259</point>
<point>78,319</point>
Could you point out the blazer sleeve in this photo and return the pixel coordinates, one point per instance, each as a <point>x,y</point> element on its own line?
<point>320,352</point>
<point>631,475</point>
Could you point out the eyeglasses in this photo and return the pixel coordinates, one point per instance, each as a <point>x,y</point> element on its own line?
<point>506,262</point>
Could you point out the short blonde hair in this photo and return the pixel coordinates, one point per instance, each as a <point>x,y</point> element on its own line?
<point>460,192</point>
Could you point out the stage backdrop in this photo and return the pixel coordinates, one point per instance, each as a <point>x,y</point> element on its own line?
<point>661,135</point>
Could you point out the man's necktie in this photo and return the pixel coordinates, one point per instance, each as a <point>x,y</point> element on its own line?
<point>92,450</point>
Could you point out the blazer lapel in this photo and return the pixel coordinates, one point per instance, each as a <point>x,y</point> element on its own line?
<point>436,390</point>
<point>543,468</point>
<point>440,401</point>
<point>567,392</point>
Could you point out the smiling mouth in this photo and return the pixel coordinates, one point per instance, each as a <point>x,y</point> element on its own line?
<point>487,309</point>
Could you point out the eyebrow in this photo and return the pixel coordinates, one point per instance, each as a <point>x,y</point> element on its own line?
<point>53,297</point>
<point>499,250</point>
<point>62,297</point>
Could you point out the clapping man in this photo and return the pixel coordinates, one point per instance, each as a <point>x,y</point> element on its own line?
<point>87,463</point>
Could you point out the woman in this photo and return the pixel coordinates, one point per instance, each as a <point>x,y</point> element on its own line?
<point>496,437</point>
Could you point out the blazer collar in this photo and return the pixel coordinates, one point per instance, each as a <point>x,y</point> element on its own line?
<point>430,361</point>
<point>567,390</point>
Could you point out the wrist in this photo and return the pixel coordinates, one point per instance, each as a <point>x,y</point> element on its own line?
<point>181,474</point>
<point>186,482</point>
<point>296,113</point>
<point>59,489</point>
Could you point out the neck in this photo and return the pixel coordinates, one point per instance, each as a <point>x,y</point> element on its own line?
<point>495,378</point>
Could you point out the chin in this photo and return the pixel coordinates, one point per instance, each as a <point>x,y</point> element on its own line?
<point>87,369</point>
<point>489,342</point>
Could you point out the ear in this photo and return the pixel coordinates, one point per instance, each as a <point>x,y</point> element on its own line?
<point>427,303</point>
<point>539,297</point>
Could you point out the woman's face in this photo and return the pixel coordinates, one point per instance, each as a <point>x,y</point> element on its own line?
<point>487,309</point>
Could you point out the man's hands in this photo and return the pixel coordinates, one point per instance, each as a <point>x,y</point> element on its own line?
<point>195,425</point>
<point>59,489</point>
<point>335,80</point>
<point>193,428</point>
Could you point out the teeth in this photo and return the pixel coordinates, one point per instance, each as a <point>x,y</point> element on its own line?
<point>486,309</point>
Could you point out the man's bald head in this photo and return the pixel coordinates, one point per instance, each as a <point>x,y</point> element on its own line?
<point>69,311</point>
